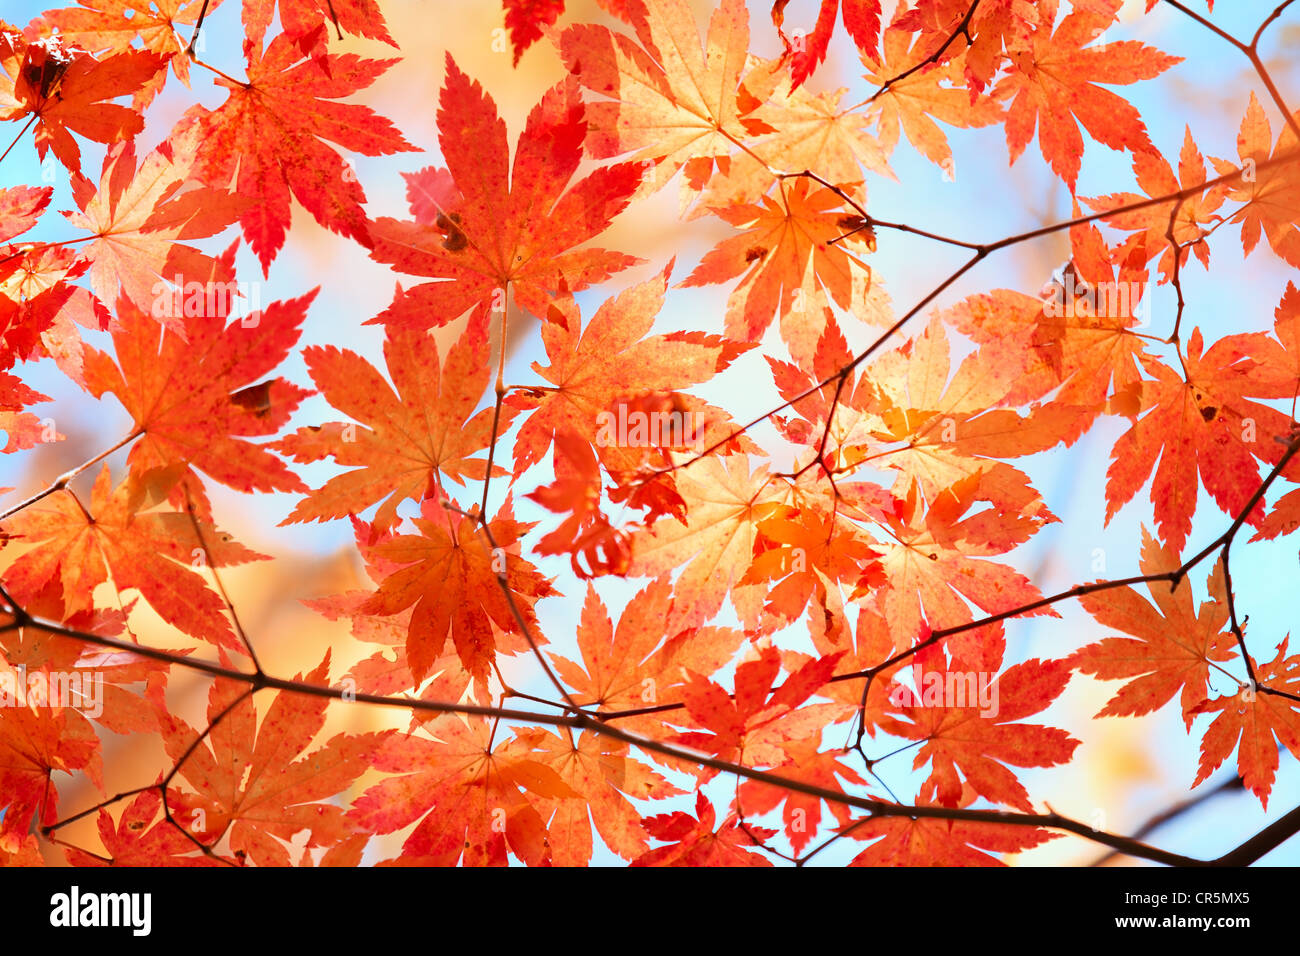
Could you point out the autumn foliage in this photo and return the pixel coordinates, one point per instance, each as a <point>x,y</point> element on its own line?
<point>810,592</point>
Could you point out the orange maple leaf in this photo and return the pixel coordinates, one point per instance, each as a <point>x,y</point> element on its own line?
<point>1054,85</point>
<point>137,220</point>
<point>512,227</point>
<point>34,742</point>
<point>119,535</point>
<point>1150,225</point>
<point>603,775</point>
<point>474,801</point>
<point>407,439</point>
<point>267,141</point>
<point>913,97</point>
<point>672,101</point>
<point>714,546</point>
<point>1172,648</point>
<point>966,729</point>
<point>784,239</point>
<point>453,581</point>
<point>1206,423</point>
<point>611,358</point>
<point>259,783</point>
<point>195,400</point>
<point>693,841</point>
<point>751,725</point>
<point>1270,197</point>
<point>636,666</point>
<point>65,91</point>
<point>1251,721</point>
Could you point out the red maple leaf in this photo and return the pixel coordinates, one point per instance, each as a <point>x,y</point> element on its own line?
<point>512,226</point>
<point>267,141</point>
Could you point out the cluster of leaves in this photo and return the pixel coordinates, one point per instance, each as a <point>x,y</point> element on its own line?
<point>879,551</point>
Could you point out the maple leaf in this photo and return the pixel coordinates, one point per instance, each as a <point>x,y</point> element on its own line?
<point>670,101</point>
<point>612,357</point>
<point>406,439</point>
<point>1150,225</point>
<point>714,545</point>
<point>300,19</point>
<point>115,25</point>
<point>913,98</point>
<point>137,219</point>
<point>1270,197</point>
<point>637,666</point>
<point>946,430</point>
<point>65,91</point>
<point>1205,423</point>
<point>602,774</point>
<point>267,141</point>
<point>929,841</point>
<point>526,19</point>
<point>807,550</point>
<point>1084,347</point>
<point>938,556</point>
<point>1172,648</point>
<point>796,130</point>
<point>257,782</point>
<point>455,584</point>
<point>692,840</point>
<point>387,671</point>
<point>142,837</point>
<point>512,226</point>
<point>968,730</point>
<point>34,742</point>
<point>1054,86</point>
<point>1250,721</point>
<point>195,401</point>
<point>118,535</point>
<point>474,802</point>
<point>783,240</point>
<point>751,725</point>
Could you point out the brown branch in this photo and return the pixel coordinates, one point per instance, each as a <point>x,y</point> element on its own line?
<point>1232,784</point>
<point>962,29</point>
<point>221,588</point>
<point>62,481</point>
<point>1252,53</point>
<point>982,251</point>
